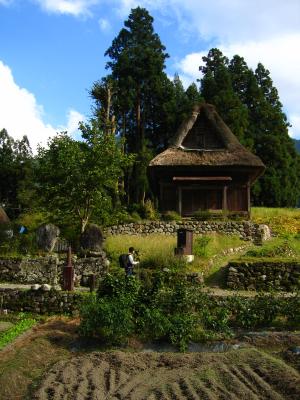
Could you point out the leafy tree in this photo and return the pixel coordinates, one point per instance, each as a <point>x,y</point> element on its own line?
<point>15,169</point>
<point>77,179</point>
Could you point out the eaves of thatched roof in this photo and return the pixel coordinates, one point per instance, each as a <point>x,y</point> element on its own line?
<point>3,217</point>
<point>230,153</point>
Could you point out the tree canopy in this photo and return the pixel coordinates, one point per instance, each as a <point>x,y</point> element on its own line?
<point>136,110</point>
<point>78,178</point>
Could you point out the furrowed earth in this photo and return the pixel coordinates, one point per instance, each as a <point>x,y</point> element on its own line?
<point>50,362</point>
<point>245,374</point>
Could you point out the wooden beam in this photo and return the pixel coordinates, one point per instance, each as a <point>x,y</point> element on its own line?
<point>202,178</point>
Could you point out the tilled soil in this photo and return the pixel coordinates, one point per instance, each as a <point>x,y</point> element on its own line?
<point>236,375</point>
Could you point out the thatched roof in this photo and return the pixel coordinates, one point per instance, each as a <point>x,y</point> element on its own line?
<point>225,149</point>
<point>3,217</point>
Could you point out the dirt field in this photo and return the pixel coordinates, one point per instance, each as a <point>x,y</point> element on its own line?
<point>244,374</point>
<point>49,362</point>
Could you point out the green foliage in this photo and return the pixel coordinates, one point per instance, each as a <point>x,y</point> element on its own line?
<point>203,215</point>
<point>277,248</point>
<point>16,164</point>
<point>110,313</point>
<point>162,261</point>
<point>23,324</point>
<point>150,212</point>
<point>257,312</point>
<point>200,245</point>
<point>77,179</point>
<point>249,103</point>
<point>171,216</point>
<point>166,306</point>
<point>155,309</point>
<point>17,245</point>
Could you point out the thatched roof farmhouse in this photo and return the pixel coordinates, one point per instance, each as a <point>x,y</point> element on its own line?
<point>205,168</point>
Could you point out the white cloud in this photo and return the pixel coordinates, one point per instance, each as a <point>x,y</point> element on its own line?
<point>104,25</point>
<point>229,19</point>
<point>5,2</point>
<point>295,129</point>
<point>20,113</point>
<point>72,7</point>
<point>73,118</point>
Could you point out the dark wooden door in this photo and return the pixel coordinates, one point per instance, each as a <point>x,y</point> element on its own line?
<point>200,199</point>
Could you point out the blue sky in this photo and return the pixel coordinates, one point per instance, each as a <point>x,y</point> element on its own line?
<point>51,52</point>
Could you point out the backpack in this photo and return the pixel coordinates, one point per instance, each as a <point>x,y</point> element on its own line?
<point>123,260</point>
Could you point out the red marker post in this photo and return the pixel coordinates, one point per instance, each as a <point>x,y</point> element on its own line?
<point>68,273</point>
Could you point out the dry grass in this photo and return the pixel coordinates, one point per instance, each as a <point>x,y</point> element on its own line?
<point>158,248</point>
<point>25,360</point>
<point>281,220</point>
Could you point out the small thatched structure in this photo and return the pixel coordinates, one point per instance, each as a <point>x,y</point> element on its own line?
<point>205,168</point>
<point>3,217</point>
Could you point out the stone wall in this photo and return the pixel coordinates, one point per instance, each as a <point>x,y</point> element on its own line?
<point>264,275</point>
<point>39,301</point>
<point>49,269</point>
<point>247,230</point>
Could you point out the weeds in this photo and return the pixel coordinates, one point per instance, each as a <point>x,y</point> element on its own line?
<point>23,324</point>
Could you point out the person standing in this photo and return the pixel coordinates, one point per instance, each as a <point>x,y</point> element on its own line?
<point>130,262</point>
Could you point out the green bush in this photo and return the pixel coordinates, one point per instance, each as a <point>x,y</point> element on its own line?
<point>203,215</point>
<point>149,211</point>
<point>200,245</point>
<point>165,306</point>
<point>124,305</point>
<point>171,216</point>
<point>262,310</point>
<point>110,314</point>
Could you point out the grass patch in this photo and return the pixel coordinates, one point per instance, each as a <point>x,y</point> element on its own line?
<point>23,365</point>
<point>22,324</point>
<point>281,220</point>
<point>158,250</point>
<point>284,247</point>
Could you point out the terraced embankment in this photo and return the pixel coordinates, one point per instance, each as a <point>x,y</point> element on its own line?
<point>236,375</point>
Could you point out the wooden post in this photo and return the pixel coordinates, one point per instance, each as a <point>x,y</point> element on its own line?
<point>68,273</point>
<point>248,199</point>
<point>92,282</point>
<point>224,200</point>
<point>179,200</point>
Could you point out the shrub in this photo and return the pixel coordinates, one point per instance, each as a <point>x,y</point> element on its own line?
<point>200,245</point>
<point>202,215</point>
<point>171,216</point>
<point>149,211</point>
<point>110,314</point>
<point>166,306</point>
<point>259,311</point>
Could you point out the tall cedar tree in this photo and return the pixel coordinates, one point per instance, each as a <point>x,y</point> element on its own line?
<point>263,125</point>
<point>137,59</point>
<point>268,131</point>
<point>217,89</point>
